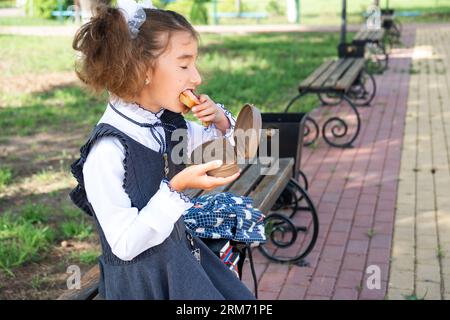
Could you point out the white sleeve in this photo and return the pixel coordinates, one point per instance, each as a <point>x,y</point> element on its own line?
<point>198,134</point>
<point>128,231</point>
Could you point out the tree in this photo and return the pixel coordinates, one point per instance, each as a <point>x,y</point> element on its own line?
<point>199,12</point>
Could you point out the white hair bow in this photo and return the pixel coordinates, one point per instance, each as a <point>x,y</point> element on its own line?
<point>134,14</point>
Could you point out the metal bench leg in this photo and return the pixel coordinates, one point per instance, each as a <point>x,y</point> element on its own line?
<point>335,131</point>
<point>282,233</point>
<point>362,92</point>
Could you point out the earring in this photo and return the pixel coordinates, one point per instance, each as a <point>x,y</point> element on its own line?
<point>147,81</point>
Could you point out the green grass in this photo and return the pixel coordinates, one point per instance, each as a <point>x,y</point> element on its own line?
<point>35,213</point>
<point>32,21</point>
<point>87,257</point>
<point>37,55</point>
<point>21,241</point>
<point>79,230</point>
<point>59,108</point>
<point>5,177</point>
<point>7,3</point>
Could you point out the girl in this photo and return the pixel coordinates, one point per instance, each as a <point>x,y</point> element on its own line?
<point>127,179</point>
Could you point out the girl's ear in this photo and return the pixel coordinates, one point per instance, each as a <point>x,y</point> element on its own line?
<point>148,76</point>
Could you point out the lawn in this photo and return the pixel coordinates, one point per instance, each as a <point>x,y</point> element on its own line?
<point>44,125</point>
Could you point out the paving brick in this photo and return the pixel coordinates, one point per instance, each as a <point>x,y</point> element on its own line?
<point>350,279</point>
<point>300,276</point>
<point>321,286</point>
<point>337,238</point>
<point>355,262</point>
<point>345,294</point>
<point>403,262</point>
<point>333,253</point>
<point>375,293</point>
<point>292,293</point>
<point>358,246</point>
<point>363,220</point>
<point>272,281</point>
<point>381,241</point>
<point>327,269</point>
<point>428,273</point>
<point>316,297</point>
<point>360,233</point>
<point>401,279</point>
<point>267,295</point>
<point>340,225</point>
<point>378,255</point>
<point>428,290</point>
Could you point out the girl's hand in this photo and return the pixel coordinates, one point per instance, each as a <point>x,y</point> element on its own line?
<point>208,112</point>
<point>195,177</point>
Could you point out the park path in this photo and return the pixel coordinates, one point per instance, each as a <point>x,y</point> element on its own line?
<point>355,191</point>
<point>421,242</point>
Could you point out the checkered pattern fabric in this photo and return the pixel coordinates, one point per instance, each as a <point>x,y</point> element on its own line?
<point>225,216</point>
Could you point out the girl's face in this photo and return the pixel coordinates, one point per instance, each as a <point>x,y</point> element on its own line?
<point>175,71</point>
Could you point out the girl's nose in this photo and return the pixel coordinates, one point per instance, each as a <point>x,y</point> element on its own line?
<point>196,78</point>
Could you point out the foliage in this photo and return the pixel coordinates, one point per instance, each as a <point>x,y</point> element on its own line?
<point>44,8</point>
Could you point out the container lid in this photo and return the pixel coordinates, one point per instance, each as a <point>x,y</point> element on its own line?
<point>246,137</point>
<point>247,132</point>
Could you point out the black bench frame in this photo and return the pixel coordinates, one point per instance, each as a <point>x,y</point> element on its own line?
<point>333,79</point>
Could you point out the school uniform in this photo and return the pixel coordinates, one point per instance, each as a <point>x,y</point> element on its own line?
<point>123,173</point>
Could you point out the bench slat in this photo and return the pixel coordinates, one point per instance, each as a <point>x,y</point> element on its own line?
<point>338,73</point>
<point>89,287</point>
<point>245,183</point>
<point>319,82</point>
<point>271,186</point>
<point>361,35</point>
<point>347,80</point>
<point>313,76</point>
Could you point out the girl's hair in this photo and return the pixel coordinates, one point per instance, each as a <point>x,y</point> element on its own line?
<point>111,60</point>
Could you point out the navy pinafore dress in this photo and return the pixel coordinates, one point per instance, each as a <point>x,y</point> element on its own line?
<point>168,270</point>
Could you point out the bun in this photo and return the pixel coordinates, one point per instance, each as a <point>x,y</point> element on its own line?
<point>190,99</point>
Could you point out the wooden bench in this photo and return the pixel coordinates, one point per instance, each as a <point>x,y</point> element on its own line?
<point>263,189</point>
<point>335,82</point>
<point>333,75</point>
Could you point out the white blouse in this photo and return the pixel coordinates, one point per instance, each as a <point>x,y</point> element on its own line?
<point>129,231</point>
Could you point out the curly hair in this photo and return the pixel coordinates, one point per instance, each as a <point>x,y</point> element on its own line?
<point>109,59</point>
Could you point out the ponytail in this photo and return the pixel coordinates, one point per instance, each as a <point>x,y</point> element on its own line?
<point>110,60</point>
